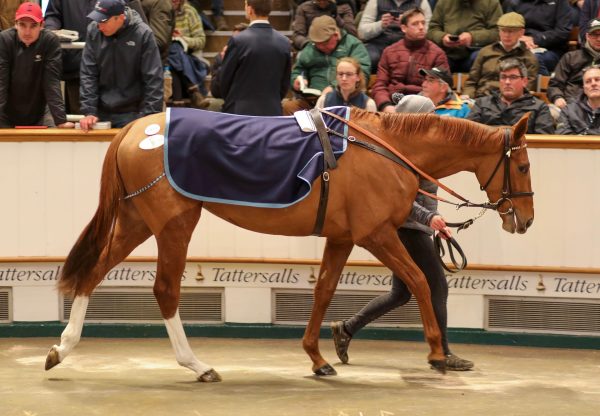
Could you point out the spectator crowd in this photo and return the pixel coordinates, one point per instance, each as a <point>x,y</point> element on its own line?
<point>139,56</point>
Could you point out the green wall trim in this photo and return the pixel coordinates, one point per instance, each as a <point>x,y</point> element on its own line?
<point>455,335</point>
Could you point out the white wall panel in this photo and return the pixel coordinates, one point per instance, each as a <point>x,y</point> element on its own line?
<point>247,305</point>
<point>32,196</point>
<point>9,208</point>
<point>50,191</point>
<point>37,304</point>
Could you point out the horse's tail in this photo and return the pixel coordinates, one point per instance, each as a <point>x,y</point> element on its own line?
<point>76,277</point>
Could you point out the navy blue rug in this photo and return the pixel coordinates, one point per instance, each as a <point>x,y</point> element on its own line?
<point>245,160</point>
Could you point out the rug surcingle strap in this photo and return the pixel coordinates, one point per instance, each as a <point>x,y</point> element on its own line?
<point>329,162</point>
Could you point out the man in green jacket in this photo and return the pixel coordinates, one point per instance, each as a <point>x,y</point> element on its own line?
<point>316,63</point>
<point>483,77</point>
<point>462,27</point>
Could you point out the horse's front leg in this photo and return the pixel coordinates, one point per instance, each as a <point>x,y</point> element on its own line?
<point>387,247</point>
<point>335,256</point>
<point>71,334</point>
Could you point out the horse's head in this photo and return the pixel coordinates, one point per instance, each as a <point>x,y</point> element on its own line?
<point>507,180</point>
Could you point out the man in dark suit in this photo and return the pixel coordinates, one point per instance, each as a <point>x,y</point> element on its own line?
<point>255,74</point>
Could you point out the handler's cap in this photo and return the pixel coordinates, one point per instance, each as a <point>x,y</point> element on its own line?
<point>415,104</point>
<point>593,25</point>
<point>438,73</point>
<point>511,19</point>
<point>322,28</point>
<point>31,11</point>
<point>105,9</point>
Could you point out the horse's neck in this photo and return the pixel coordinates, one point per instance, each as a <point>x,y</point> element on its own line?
<point>440,157</point>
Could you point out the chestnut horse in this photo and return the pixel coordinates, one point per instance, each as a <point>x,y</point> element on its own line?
<point>369,199</point>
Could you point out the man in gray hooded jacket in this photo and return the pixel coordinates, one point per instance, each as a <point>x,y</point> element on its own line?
<point>121,71</point>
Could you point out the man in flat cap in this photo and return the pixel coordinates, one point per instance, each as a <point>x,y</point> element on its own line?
<point>547,29</point>
<point>316,64</point>
<point>566,85</point>
<point>121,71</point>
<point>483,77</point>
<point>308,10</point>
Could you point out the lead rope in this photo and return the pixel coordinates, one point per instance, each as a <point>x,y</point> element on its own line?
<point>466,202</point>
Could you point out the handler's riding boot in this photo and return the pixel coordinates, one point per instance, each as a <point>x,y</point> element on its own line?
<point>341,340</point>
<point>455,363</point>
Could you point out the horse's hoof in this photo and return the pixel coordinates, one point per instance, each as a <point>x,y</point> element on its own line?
<point>438,365</point>
<point>211,376</point>
<point>326,370</point>
<point>52,359</point>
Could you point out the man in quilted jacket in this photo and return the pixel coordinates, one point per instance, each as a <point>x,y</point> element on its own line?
<point>400,64</point>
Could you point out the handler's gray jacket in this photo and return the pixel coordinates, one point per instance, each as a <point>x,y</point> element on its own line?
<point>121,73</point>
<point>423,209</point>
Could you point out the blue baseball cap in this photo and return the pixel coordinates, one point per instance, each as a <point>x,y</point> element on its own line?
<point>105,9</point>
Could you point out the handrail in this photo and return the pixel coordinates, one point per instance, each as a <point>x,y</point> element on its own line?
<point>538,141</point>
<point>314,262</point>
<point>56,135</point>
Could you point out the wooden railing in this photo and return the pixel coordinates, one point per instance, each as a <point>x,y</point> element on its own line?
<point>539,141</point>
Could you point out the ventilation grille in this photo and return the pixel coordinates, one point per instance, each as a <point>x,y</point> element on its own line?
<point>563,316</point>
<point>140,306</point>
<point>5,308</point>
<point>294,307</point>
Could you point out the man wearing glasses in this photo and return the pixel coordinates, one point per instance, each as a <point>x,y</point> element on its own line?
<point>506,106</point>
<point>566,85</point>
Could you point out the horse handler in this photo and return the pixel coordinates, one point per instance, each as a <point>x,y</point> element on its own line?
<point>415,234</point>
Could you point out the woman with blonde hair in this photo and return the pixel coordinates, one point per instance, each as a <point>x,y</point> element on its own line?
<point>350,88</point>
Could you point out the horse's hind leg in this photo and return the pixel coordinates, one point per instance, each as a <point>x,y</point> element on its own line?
<point>335,256</point>
<point>387,247</point>
<point>173,242</point>
<point>130,232</point>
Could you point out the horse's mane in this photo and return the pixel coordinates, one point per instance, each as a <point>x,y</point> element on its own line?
<point>414,125</point>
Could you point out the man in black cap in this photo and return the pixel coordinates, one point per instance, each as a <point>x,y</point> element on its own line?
<point>121,80</point>
<point>437,86</point>
<point>71,15</point>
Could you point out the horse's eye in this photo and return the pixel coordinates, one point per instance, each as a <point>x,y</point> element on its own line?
<point>524,168</point>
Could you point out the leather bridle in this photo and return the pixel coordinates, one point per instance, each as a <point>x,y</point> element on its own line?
<point>507,192</point>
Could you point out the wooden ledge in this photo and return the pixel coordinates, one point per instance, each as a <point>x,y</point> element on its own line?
<point>535,141</point>
<point>56,135</point>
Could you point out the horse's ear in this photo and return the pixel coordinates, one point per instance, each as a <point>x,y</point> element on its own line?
<point>520,128</point>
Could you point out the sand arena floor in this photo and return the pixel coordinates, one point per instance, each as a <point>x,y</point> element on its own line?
<point>273,377</point>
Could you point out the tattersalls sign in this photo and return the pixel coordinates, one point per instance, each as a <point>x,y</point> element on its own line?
<point>290,276</point>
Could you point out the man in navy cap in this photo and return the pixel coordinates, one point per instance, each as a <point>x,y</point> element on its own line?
<point>121,72</point>
<point>30,66</point>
